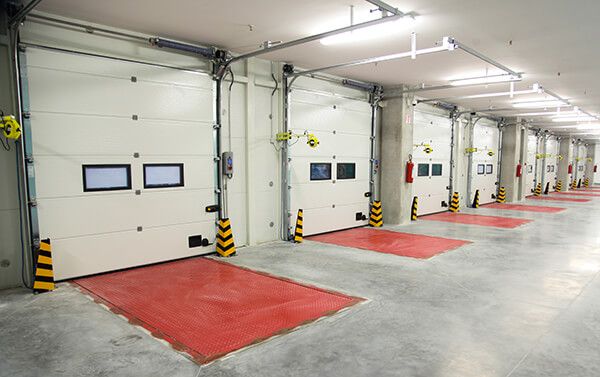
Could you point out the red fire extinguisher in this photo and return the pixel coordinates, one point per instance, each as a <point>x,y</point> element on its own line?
<point>570,168</point>
<point>409,170</point>
<point>519,170</point>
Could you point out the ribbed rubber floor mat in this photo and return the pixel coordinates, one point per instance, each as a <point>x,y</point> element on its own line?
<point>557,198</point>
<point>578,193</point>
<point>385,241</point>
<point>490,221</point>
<point>209,308</point>
<point>524,208</point>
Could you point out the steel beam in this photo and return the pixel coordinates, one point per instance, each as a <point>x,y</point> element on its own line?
<point>20,16</point>
<point>447,46</point>
<point>312,38</point>
<point>490,61</point>
<point>384,7</point>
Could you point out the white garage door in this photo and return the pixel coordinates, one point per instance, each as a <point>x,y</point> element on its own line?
<point>485,162</point>
<point>551,167</point>
<point>530,167</point>
<point>329,182</point>
<point>123,161</point>
<point>432,170</point>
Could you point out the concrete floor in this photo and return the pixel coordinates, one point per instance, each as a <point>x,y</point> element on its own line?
<point>521,302</point>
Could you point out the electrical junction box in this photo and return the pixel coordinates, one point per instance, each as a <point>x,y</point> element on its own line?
<point>227,159</point>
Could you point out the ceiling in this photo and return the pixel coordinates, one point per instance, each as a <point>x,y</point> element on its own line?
<point>552,41</point>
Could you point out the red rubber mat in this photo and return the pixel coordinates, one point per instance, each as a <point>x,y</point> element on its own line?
<point>385,241</point>
<point>490,221</point>
<point>559,198</point>
<point>524,208</point>
<point>578,193</point>
<point>208,308</point>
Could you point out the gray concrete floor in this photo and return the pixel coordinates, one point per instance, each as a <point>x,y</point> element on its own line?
<point>520,302</point>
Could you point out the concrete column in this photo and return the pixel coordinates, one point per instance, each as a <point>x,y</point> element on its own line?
<point>396,145</point>
<point>563,164</point>
<point>511,157</point>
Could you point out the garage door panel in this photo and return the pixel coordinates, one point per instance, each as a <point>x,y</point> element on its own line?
<point>312,117</point>
<point>83,93</point>
<point>324,100</point>
<point>96,214</point>
<point>305,195</point>
<point>88,215</point>
<point>162,101</point>
<point>300,172</point>
<point>55,61</point>
<point>80,256</point>
<point>361,145</point>
<point>80,93</point>
<point>326,148</point>
<point>322,220</point>
<point>66,134</point>
<point>61,176</point>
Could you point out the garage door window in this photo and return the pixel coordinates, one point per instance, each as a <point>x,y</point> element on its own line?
<point>346,170</point>
<point>106,177</point>
<point>480,169</point>
<point>489,169</point>
<point>163,175</point>
<point>436,170</point>
<point>423,170</point>
<point>320,171</point>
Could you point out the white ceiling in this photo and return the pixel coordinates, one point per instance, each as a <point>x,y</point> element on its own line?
<point>541,38</point>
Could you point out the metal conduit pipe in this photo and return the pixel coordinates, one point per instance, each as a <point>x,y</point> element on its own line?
<point>499,162</point>
<point>454,119</point>
<point>285,163</point>
<point>471,126</point>
<point>25,221</point>
<point>217,145</point>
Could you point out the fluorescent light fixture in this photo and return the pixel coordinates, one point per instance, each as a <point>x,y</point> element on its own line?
<point>545,113</point>
<point>535,88</point>
<point>485,80</point>
<point>589,126</point>
<point>368,33</point>
<point>539,104</point>
<point>576,118</point>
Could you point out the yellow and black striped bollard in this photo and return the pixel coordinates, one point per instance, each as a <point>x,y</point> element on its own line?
<point>225,244</point>
<point>298,232</point>
<point>454,203</point>
<point>376,216</point>
<point>476,199</point>
<point>44,273</point>
<point>501,198</point>
<point>413,212</point>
